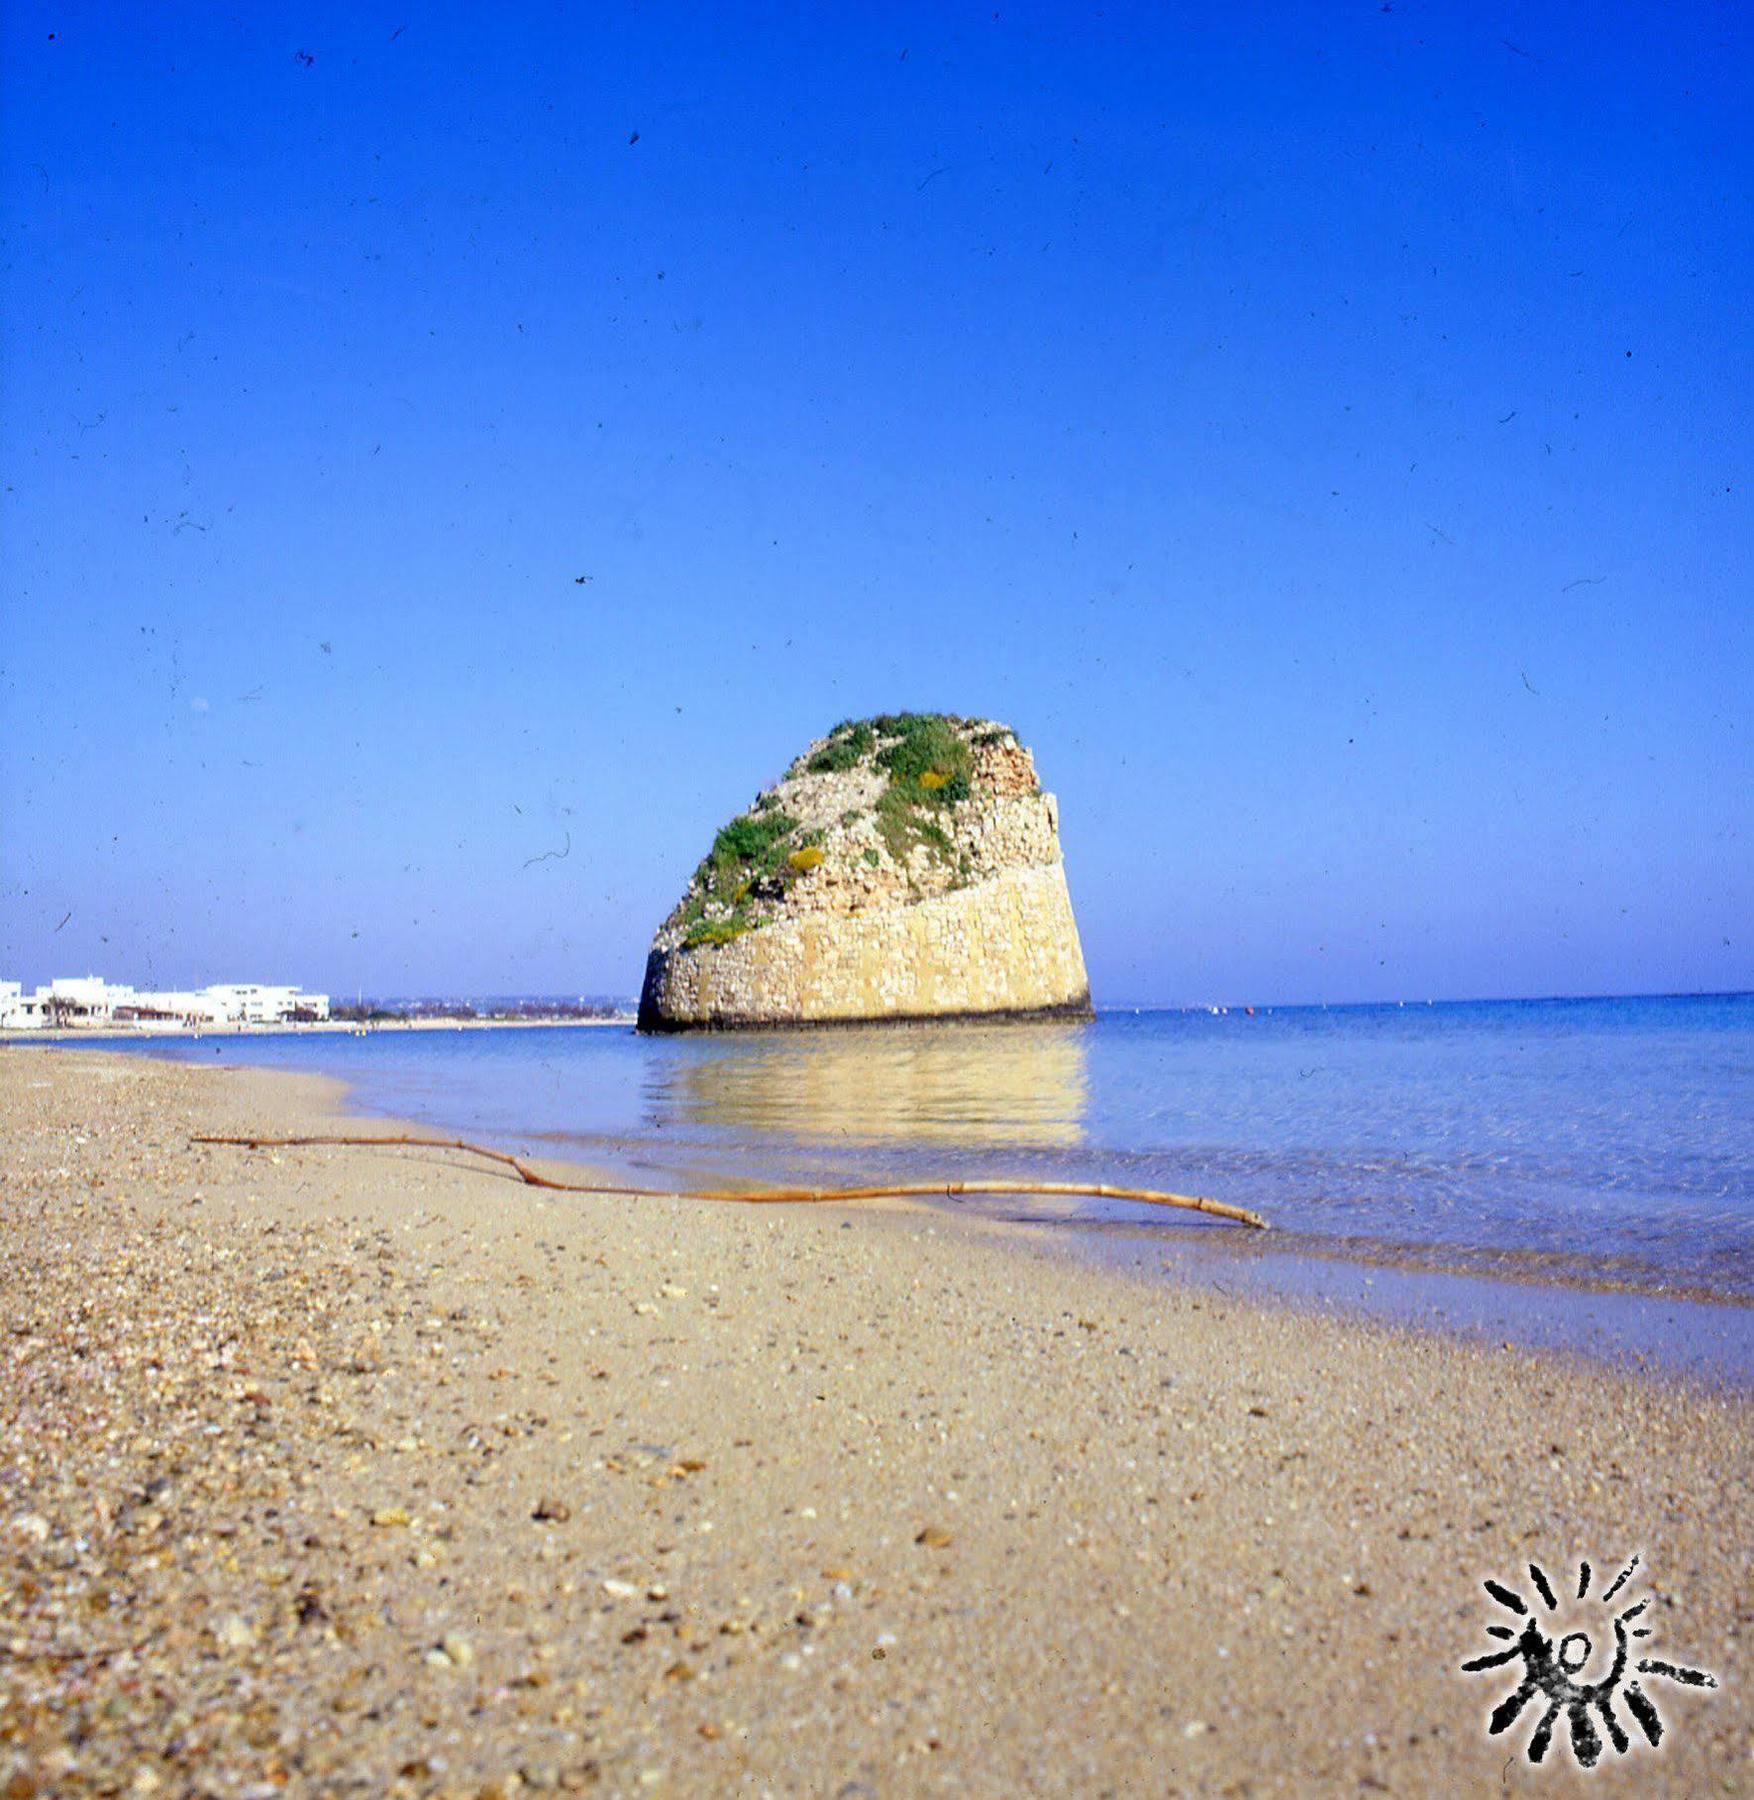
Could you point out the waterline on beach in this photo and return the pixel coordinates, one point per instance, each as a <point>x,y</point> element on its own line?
<point>1521,1150</point>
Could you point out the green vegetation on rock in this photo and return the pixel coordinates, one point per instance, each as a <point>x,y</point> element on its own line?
<point>905,819</point>
<point>750,837</point>
<point>930,766</point>
<point>928,762</point>
<point>927,745</point>
<point>848,745</point>
<point>751,849</point>
<point>718,931</point>
<point>751,846</point>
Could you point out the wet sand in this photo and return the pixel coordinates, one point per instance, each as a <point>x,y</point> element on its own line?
<point>360,1472</point>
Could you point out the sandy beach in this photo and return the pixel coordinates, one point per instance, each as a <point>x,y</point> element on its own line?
<point>334,1471</point>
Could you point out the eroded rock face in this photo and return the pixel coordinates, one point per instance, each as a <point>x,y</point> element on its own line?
<point>905,867</point>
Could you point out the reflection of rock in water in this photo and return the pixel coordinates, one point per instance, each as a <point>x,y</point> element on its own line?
<point>965,1084</point>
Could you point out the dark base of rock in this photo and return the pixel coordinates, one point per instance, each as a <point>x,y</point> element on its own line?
<point>1073,1012</point>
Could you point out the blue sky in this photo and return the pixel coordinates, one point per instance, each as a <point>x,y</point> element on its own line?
<point>1321,430</point>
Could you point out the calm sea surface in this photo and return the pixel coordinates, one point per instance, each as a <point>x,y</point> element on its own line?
<point>1496,1164</point>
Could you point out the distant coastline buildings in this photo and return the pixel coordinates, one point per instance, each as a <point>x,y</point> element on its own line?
<point>89,1000</point>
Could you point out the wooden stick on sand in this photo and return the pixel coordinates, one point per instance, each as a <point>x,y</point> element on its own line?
<point>762,1196</point>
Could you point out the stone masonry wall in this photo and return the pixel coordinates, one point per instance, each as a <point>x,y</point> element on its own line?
<point>995,833</point>
<point>1006,943</point>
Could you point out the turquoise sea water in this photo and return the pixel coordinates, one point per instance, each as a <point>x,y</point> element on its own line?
<point>1540,1150</point>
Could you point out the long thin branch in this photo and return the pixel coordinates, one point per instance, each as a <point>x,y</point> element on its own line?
<point>763,1196</point>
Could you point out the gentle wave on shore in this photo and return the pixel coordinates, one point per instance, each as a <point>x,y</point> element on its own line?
<point>1603,1144</point>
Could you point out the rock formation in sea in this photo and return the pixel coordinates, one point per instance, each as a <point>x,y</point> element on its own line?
<point>904,867</point>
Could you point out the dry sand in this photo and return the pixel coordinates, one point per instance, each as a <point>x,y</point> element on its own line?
<point>362,1472</point>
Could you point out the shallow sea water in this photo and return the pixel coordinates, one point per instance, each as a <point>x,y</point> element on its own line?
<point>1576,1171</point>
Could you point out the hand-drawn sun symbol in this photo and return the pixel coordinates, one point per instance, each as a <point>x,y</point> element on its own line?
<point>1554,1673</point>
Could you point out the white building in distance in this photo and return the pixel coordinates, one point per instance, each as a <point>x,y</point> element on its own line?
<point>89,1000</point>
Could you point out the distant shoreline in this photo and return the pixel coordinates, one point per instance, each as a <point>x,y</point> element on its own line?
<point>1324,1006</point>
<point>93,1034</point>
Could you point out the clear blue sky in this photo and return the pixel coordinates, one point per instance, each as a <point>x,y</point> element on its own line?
<point>1322,430</point>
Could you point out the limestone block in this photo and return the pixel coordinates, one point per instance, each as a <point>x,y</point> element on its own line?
<point>933,888</point>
